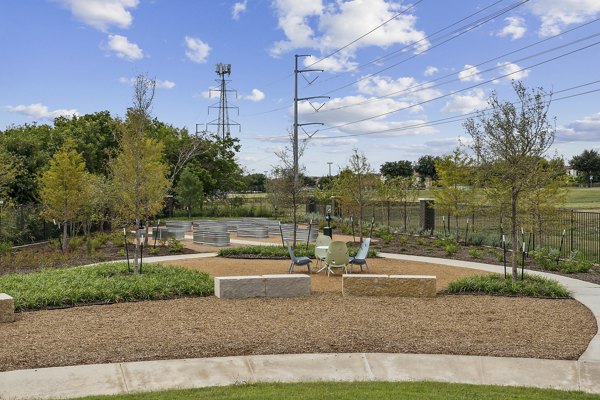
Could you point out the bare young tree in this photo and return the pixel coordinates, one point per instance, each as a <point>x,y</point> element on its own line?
<point>139,173</point>
<point>285,189</point>
<point>509,141</point>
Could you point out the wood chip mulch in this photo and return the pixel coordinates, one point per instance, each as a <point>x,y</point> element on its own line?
<point>324,322</point>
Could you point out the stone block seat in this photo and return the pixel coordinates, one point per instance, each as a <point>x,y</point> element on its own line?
<point>277,285</point>
<point>7,308</point>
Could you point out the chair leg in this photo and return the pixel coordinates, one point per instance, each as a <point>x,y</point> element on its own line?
<point>309,270</point>
<point>366,266</point>
<point>291,268</point>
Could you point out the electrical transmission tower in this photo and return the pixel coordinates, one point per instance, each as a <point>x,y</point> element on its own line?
<point>223,122</point>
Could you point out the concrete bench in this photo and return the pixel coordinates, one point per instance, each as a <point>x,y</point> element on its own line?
<point>243,287</point>
<point>7,308</point>
<point>388,285</point>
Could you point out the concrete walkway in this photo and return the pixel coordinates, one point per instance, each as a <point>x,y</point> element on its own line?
<point>129,377</point>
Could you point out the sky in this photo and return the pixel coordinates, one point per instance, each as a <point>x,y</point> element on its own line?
<point>398,78</point>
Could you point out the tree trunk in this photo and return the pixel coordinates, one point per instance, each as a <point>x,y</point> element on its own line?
<point>65,237</point>
<point>137,246</point>
<point>515,242</point>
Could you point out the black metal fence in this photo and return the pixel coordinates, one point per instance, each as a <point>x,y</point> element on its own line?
<point>568,230</point>
<point>21,224</point>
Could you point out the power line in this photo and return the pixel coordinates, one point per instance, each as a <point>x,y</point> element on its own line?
<point>366,34</point>
<point>461,90</point>
<point>428,85</point>
<point>397,51</point>
<point>462,117</point>
<point>451,36</point>
<point>457,118</point>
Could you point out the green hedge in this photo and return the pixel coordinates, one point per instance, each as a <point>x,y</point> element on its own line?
<point>278,252</point>
<point>496,284</point>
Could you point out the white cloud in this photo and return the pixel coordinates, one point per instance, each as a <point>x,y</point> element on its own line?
<point>256,95</point>
<point>310,24</point>
<point>101,14</point>
<point>436,147</point>
<point>469,74</point>
<point>556,15</point>
<point>238,8</point>
<point>165,84</point>
<point>124,48</point>
<point>515,28</point>
<point>40,111</point>
<point>512,71</point>
<point>430,70</point>
<point>197,50</point>
<point>582,130</point>
<point>334,114</point>
<point>406,89</point>
<point>469,102</point>
<point>159,84</point>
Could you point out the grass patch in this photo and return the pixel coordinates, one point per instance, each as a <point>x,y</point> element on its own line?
<point>278,252</point>
<point>496,284</point>
<point>359,390</point>
<point>104,283</point>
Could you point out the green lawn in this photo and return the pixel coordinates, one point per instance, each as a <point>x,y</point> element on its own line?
<point>358,390</point>
<point>103,283</point>
<point>583,199</point>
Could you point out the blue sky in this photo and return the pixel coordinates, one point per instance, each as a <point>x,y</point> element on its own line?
<point>398,69</point>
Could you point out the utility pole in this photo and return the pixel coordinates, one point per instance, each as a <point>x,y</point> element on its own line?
<point>295,133</point>
<point>222,122</point>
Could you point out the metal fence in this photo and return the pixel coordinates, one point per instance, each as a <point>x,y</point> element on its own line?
<point>21,224</point>
<point>568,230</point>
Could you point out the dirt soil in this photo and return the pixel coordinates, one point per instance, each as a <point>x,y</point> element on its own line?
<point>323,322</point>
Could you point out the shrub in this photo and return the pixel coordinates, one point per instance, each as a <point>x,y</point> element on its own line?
<point>475,239</point>
<point>451,248</point>
<point>121,253</point>
<point>5,247</point>
<point>175,246</point>
<point>575,263</point>
<point>496,284</point>
<point>103,283</point>
<point>154,250</point>
<point>75,243</point>
<point>547,258</point>
<point>448,244</point>
<point>499,255</point>
<point>475,252</point>
<point>402,239</point>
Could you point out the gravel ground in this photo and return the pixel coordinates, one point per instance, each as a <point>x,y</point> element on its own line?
<point>323,322</point>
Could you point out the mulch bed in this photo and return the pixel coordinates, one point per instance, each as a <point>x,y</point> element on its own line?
<point>325,322</point>
<point>425,246</point>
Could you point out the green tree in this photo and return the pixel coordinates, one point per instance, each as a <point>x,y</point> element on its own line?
<point>189,190</point>
<point>425,167</point>
<point>588,164</point>
<point>548,193</point>
<point>95,138</point>
<point>356,184</point>
<point>455,194</point>
<point>32,146</point>
<point>139,173</point>
<point>62,186</point>
<point>393,169</point>
<point>509,141</point>
<point>255,182</point>
<point>9,166</point>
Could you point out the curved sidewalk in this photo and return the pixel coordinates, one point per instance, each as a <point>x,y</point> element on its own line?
<point>128,377</point>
